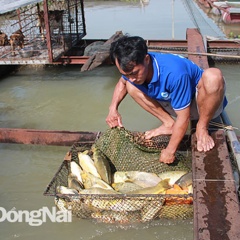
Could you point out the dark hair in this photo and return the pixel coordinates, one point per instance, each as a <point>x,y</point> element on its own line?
<point>129,51</point>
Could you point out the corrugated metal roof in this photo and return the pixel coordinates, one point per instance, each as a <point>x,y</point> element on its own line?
<point>10,5</point>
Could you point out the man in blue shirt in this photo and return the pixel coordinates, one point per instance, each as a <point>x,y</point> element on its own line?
<point>171,88</point>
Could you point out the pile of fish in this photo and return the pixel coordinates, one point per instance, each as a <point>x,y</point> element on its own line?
<point>93,175</point>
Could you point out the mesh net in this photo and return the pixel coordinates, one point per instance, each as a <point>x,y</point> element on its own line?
<point>126,151</point>
<point>130,151</point>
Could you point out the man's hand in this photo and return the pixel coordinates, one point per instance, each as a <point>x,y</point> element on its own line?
<point>114,119</point>
<point>166,157</point>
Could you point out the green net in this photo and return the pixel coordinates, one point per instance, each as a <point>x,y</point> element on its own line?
<point>125,151</point>
<point>130,151</point>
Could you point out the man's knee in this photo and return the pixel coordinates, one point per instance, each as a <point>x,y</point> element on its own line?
<point>212,80</point>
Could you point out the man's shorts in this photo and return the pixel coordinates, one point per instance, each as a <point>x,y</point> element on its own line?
<point>194,114</point>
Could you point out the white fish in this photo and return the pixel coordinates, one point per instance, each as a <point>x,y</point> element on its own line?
<point>87,164</point>
<point>172,175</point>
<point>190,189</point>
<point>65,190</point>
<point>143,179</point>
<point>124,187</point>
<point>76,170</point>
<point>160,188</point>
<point>98,190</point>
<point>120,177</point>
<point>90,180</point>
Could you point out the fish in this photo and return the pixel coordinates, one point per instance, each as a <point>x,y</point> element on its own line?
<point>185,180</point>
<point>76,170</point>
<point>102,165</point>
<point>65,190</point>
<point>143,179</point>
<point>87,164</point>
<point>124,187</point>
<point>90,180</point>
<point>190,189</point>
<point>120,177</point>
<point>160,188</point>
<point>172,175</point>
<point>61,204</point>
<point>74,183</point>
<point>98,190</point>
<point>176,189</point>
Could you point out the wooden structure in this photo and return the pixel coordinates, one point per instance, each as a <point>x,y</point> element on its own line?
<point>54,29</point>
<point>50,29</point>
<point>216,203</point>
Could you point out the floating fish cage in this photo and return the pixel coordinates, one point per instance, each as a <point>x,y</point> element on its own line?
<point>50,28</point>
<point>125,151</point>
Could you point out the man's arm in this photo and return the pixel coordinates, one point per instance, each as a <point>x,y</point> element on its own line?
<point>114,118</point>
<point>179,130</point>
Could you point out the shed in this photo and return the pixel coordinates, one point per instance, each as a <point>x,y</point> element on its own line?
<point>39,31</point>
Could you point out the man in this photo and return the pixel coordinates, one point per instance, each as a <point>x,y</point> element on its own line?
<point>171,88</point>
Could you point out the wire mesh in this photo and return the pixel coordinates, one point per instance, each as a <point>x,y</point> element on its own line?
<point>47,40</point>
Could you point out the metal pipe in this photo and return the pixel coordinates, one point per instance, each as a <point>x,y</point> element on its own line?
<point>234,143</point>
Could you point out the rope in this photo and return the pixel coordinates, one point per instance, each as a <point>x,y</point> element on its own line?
<point>221,125</point>
<point>157,49</point>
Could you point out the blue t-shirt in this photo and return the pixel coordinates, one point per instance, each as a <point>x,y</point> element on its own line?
<point>174,79</point>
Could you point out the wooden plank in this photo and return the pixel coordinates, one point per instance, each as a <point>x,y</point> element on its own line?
<point>195,44</point>
<point>216,205</point>
<point>60,138</point>
<point>44,137</point>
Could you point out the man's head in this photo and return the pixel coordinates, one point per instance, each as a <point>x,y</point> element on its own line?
<point>130,54</point>
<point>129,51</point>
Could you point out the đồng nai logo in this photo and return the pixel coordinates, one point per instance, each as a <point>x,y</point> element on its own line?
<point>35,217</point>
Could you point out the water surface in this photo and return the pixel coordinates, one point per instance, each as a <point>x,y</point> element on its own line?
<point>63,98</point>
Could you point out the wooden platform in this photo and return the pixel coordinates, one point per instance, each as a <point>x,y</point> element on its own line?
<point>216,205</point>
